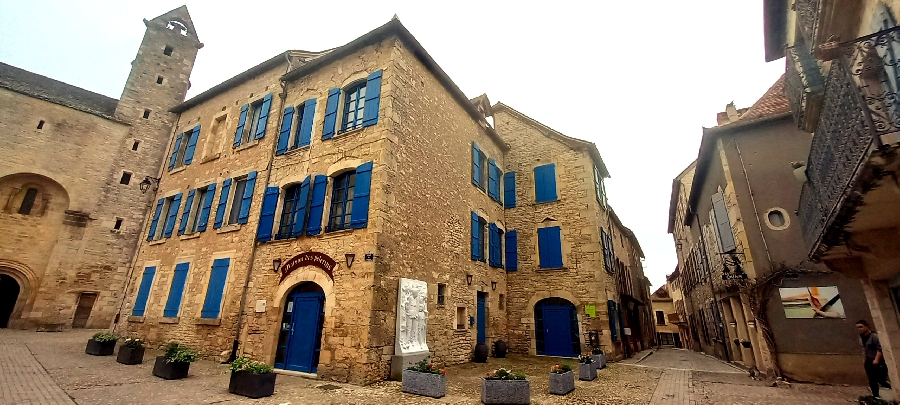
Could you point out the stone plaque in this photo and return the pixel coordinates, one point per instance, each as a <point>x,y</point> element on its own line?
<point>412,315</point>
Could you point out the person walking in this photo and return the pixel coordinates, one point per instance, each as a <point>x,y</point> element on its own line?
<point>876,370</point>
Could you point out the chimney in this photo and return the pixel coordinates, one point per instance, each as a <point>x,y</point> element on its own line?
<point>730,114</point>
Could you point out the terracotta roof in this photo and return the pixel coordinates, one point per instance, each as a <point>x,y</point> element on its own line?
<point>772,103</point>
<point>55,91</point>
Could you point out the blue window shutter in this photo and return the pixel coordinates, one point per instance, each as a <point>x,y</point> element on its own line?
<point>543,248</point>
<point>191,146</point>
<point>174,156</point>
<point>493,180</point>
<point>611,312</point>
<point>373,99</point>
<point>306,126</point>
<point>285,134</point>
<point>331,109</point>
<point>213,301</point>
<point>187,212</point>
<point>173,303</point>
<point>155,221</point>
<point>314,222</point>
<point>241,122</point>
<point>476,237</point>
<point>555,247</point>
<point>173,213</point>
<point>140,303</point>
<point>359,217</point>
<point>223,201</point>
<point>300,215</point>
<point>512,251</point>
<point>545,183</point>
<point>263,117</point>
<point>247,198</point>
<point>605,250</point>
<point>550,247</point>
<point>493,245</point>
<point>476,165</point>
<point>509,190</point>
<point>267,214</point>
<point>206,207</point>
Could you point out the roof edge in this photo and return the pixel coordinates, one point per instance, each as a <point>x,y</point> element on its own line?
<point>232,82</point>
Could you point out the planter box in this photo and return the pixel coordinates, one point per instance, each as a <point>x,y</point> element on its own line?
<point>514,392</point>
<point>599,361</point>
<point>96,348</point>
<point>170,371</point>
<point>252,385</point>
<point>130,355</point>
<point>587,372</point>
<point>426,384</point>
<point>562,384</point>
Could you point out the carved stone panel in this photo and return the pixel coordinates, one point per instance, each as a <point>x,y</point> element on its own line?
<point>412,315</point>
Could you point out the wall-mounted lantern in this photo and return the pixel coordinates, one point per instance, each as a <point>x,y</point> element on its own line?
<point>469,279</point>
<point>349,257</point>
<point>276,264</point>
<point>147,182</point>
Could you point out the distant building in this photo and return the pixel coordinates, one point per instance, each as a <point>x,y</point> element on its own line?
<point>666,318</point>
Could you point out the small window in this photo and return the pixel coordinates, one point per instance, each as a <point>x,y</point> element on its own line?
<point>147,112</point>
<point>159,79</point>
<point>341,202</point>
<point>199,198</point>
<point>239,186</point>
<point>501,302</point>
<point>660,318</point>
<point>126,178</point>
<point>354,104</point>
<point>167,51</point>
<point>290,209</point>
<point>134,146</point>
<point>40,124</point>
<point>118,224</point>
<point>172,25</point>
<point>461,321</point>
<point>28,201</point>
<point>253,117</point>
<point>442,293</point>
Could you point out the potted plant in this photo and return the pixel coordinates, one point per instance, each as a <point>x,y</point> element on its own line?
<point>599,358</point>
<point>101,344</point>
<point>562,379</point>
<point>505,387</point>
<point>425,378</point>
<point>251,378</point>
<point>131,351</point>
<point>586,369</point>
<point>175,363</point>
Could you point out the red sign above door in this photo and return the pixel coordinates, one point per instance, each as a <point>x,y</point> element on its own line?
<point>320,260</point>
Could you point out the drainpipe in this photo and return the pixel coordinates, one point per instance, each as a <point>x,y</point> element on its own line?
<point>753,202</point>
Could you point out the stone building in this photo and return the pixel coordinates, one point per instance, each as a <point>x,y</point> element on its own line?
<point>71,217</point>
<point>338,202</point>
<point>666,318</point>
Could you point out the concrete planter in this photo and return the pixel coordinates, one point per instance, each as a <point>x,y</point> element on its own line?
<point>514,392</point>
<point>599,361</point>
<point>130,355</point>
<point>587,372</point>
<point>425,384</point>
<point>562,384</point>
<point>170,371</point>
<point>96,348</point>
<point>252,385</point>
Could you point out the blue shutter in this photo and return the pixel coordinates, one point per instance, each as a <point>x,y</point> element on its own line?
<point>285,134</point>
<point>331,109</point>
<point>545,183</point>
<point>549,247</point>
<point>314,223</point>
<point>240,128</point>
<point>305,131</point>
<point>140,303</point>
<point>187,212</point>
<point>300,213</point>
<point>173,303</point>
<point>493,180</point>
<point>476,165</point>
<point>213,301</point>
<point>247,198</point>
<point>223,201</point>
<point>263,117</point>
<point>173,213</point>
<point>493,245</point>
<point>155,221</point>
<point>611,312</point>
<point>174,156</point>
<point>373,99</point>
<point>192,144</point>
<point>476,237</point>
<point>267,214</point>
<point>207,206</point>
<point>512,251</point>
<point>509,190</point>
<point>359,217</point>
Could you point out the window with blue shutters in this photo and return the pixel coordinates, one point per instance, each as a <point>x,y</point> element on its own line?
<point>241,198</point>
<point>493,180</point>
<point>550,247</point>
<point>476,166</point>
<point>296,199</point>
<point>207,201</point>
<point>509,190</point>
<point>495,246</point>
<point>512,251</point>
<point>267,214</point>
<point>154,223</point>
<point>316,205</point>
<point>176,290</point>
<point>192,137</point>
<point>373,98</point>
<point>354,106</point>
<point>173,204</point>
<point>193,210</point>
<point>359,215</point>
<point>253,121</point>
<point>478,237</point>
<point>177,151</point>
<point>341,201</point>
<point>143,293</point>
<point>223,202</point>
<point>212,304</point>
<point>305,114</point>
<point>246,198</point>
<point>545,183</point>
<point>186,216</point>
<point>329,123</point>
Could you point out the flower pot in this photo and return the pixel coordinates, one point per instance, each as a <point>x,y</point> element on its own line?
<point>251,385</point>
<point>170,371</point>
<point>481,353</point>
<point>425,384</point>
<point>599,361</point>
<point>500,349</point>
<point>587,372</point>
<point>130,355</point>
<point>96,348</point>
<point>513,392</point>
<point>562,384</point>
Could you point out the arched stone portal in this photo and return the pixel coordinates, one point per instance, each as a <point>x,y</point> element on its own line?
<point>300,329</point>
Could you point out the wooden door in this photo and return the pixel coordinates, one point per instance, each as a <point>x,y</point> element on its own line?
<point>83,310</point>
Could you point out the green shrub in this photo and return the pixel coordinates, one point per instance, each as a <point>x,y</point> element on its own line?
<point>103,337</point>
<point>133,343</point>
<point>504,374</point>
<point>176,353</point>
<point>250,366</point>
<point>425,366</point>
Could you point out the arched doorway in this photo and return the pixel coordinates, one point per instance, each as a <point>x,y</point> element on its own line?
<point>9,293</point>
<point>300,335</point>
<point>556,328</point>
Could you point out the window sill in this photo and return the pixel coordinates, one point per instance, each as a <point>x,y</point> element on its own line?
<point>337,233</point>
<point>295,150</point>
<point>136,319</point>
<point>209,321</point>
<point>229,228</point>
<point>349,131</point>
<point>457,330</point>
<point>178,169</point>
<point>159,241</point>
<point>547,202</point>
<point>248,145</point>
<point>169,320</point>
<point>552,269</point>
<point>194,235</point>
<point>211,158</point>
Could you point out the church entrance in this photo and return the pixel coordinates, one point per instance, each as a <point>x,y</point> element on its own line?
<point>300,337</point>
<point>556,328</point>
<point>9,293</point>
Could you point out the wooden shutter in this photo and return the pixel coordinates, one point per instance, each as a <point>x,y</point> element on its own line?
<point>476,165</point>
<point>304,132</point>
<point>263,117</point>
<point>550,247</point>
<point>509,190</point>
<point>722,224</point>
<point>191,146</point>
<point>493,248</point>
<point>359,216</point>
<point>155,220</point>
<point>476,237</point>
<point>373,99</point>
<point>207,206</point>
<point>605,251</point>
<point>331,110</point>
<point>300,213</point>
<point>317,205</point>
<point>247,198</point>
<point>545,183</point>
<point>173,213</point>
<point>174,156</point>
<point>512,251</point>
<point>176,291</point>
<point>140,303</point>
<point>213,302</point>
<point>285,134</point>
<point>611,312</point>
<point>267,214</point>
<point>493,180</point>
<point>223,201</point>
<point>187,212</point>
<point>239,132</point>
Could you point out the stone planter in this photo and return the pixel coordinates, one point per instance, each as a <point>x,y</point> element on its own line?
<point>514,392</point>
<point>170,371</point>
<point>425,384</point>
<point>252,385</point>
<point>587,372</point>
<point>562,384</point>
<point>130,355</point>
<point>96,348</point>
<point>599,361</point>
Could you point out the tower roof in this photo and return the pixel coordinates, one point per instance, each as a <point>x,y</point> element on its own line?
<point>182,16</point>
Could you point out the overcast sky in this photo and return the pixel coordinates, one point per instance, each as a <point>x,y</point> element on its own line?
<point>639,79</point>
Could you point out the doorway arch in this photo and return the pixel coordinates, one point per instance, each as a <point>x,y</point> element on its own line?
<point>556,328</point>
<point>300,330</point>
<point>9,294</point>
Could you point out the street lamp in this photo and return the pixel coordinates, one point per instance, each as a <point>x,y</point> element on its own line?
<point>147,182</point>
<point>276,264</point>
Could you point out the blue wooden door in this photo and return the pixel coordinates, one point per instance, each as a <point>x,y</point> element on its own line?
<point>482,318</point>
<point>557,330</point>
<point>305,338</point>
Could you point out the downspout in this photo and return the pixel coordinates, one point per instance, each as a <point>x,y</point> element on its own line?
<point>753,202</point>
